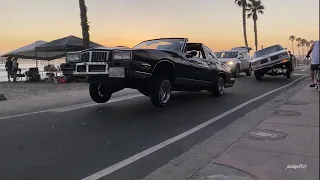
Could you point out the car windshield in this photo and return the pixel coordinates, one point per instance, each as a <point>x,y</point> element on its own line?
<point>229,54</point>
<point>162,44</point>
<point>267,50</point>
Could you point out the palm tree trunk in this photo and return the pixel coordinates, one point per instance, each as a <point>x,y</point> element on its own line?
<point>244,19</point>
<point>292,47</point>
<point>84,24</point>
<point>255,34</point>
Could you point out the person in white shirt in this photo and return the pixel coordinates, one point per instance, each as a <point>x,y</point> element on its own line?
<point>315,62</point>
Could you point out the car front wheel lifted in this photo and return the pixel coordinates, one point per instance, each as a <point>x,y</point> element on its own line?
<point>100,93</point>
<point>160,91</point>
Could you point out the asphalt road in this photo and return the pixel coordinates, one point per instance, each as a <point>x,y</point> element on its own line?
<point>75,143</point>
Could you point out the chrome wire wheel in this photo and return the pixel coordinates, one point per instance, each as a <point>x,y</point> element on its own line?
<point>165,92</point>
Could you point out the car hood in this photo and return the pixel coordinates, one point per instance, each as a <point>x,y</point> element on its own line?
<point>268,55</point>
<point>224,60</point>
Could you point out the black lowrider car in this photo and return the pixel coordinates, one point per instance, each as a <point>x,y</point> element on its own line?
<point>154,67</point>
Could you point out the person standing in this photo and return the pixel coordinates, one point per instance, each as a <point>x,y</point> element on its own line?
<point>315,59</point>
<point>293,59</point>
<point>15,69</point>
<point>8,66</point>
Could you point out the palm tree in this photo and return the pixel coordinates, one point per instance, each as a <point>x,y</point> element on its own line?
<point>292,38</point>
<point>303,43</point>
<point>299,43</point>
<point>84,24</point>
<point>243,5</point>
<point>308,45</point>
<point>255,7</point>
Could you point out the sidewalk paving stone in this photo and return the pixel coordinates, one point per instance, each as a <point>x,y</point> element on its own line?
<point>300,140</point>
<point>240,158</point>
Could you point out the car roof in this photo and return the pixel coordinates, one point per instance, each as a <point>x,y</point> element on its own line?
<point>165,38</point>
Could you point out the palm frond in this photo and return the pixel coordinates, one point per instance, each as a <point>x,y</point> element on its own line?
<point>260,7</point>
<point>249,15</point>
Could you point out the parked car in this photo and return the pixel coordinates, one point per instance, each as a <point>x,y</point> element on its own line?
<point>155,68</point>
<point>274,60</point>
<point>238,59</point>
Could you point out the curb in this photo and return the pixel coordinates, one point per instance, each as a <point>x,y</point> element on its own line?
<point>2,97</point>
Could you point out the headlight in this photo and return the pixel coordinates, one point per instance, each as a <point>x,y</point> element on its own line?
<point>73,58</point>
<point>122,55</point>
<point>230,63</point>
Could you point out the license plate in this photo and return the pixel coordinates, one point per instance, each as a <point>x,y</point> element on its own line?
<point>116,72</point>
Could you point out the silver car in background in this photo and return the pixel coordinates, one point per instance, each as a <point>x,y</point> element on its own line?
<point>238,59</point>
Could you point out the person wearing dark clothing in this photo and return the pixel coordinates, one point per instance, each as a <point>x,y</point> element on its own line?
<point>15,67</point>
<point>293,59</point>
<point>8,67</point>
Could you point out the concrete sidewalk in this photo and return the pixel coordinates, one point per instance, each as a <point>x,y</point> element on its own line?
<point>277,141</point>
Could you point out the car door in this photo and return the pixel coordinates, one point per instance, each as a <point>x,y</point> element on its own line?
<point>201,67</point>
<point>214,64</point>
<point>192,71</point>
<point>244,59</point>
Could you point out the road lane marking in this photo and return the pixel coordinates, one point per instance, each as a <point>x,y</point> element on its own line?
<point>296,74</point>
<point>74,107</point>
<point>163,144</point>
<point>80,106</point>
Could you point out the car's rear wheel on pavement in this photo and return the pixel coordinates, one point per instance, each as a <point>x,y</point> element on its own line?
<point>160,91</point>
<point>258,75</point>
<point>236,72</point>
<point>100,93</point>
<point>249,72</point>
<point>218,87</point>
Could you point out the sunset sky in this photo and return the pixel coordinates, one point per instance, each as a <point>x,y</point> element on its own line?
<point>216,23</point>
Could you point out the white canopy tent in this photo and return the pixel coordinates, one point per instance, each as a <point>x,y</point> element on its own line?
<point>29,52</point>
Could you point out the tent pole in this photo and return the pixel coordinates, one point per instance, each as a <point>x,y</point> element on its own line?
<point>36,59</point>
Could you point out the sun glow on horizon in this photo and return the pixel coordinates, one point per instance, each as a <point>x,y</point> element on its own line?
<point>126,23</point>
